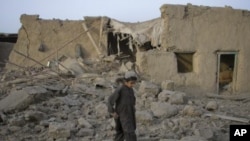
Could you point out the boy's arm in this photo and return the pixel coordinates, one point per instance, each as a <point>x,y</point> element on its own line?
<point>112,100</point>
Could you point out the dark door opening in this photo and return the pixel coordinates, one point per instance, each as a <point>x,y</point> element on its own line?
<point>121,45</point>
<point>226,72</point>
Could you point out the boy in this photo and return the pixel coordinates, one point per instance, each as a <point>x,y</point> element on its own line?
<point>124,112</point>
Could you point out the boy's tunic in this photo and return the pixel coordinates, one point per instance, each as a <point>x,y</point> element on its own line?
<point>124,101</point>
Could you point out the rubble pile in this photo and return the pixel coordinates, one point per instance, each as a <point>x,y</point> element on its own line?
<point>42,105</point>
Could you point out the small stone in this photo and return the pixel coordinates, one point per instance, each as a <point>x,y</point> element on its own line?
<point>191,111</point>
<point>211,106</point>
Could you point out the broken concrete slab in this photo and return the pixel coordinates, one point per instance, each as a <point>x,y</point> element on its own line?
<point>21,99</point>
<point>72,65</point>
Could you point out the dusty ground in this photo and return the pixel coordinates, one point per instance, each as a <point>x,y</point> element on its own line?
<point>65,108</point>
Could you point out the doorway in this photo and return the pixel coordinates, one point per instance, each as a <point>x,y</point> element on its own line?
<point>226,72</point>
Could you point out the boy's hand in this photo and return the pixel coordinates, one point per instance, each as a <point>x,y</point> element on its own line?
<point>115,115</point>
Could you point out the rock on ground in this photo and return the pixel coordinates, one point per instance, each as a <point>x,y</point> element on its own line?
<point>149,87</point>
<point>161,109</point>
<point>167,85</point>
<point>101,110</point>
<point>21,99</point>
<point>60,130</point>
<point>144,117</point>
<point>212,105</point>
<point>191,111</point>
<point>177,98</point>
<point>164,95</point>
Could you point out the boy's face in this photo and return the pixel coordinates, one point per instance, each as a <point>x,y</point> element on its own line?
<point>130,84</point>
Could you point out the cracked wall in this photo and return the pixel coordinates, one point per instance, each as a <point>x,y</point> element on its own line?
<point>205,31</point>
<point>61,35</point>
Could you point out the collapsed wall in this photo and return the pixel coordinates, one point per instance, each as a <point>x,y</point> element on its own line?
<point>45,40</point>
<point>202,32</point>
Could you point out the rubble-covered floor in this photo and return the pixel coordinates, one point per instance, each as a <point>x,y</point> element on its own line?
<point>38,104</point>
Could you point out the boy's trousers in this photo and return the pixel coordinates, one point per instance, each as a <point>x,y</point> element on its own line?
<point>122,135</point>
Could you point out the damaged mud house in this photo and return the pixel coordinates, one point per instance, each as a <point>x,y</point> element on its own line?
<point>196,47</point>
<point>191,45</point>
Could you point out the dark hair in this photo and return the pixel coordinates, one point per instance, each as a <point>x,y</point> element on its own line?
<point>133,78</point>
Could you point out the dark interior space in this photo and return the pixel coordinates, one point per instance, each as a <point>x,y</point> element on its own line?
<point>146,46</point>
<point>121,39</point>
<point>7,42</point>
<point>227,62</point>
<point>10,38</point>
<point>184,62</point>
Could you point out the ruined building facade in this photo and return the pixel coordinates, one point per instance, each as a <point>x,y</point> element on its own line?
<point>195,46</point>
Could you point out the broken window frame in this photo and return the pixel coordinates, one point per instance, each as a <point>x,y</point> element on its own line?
<point>177,62</point>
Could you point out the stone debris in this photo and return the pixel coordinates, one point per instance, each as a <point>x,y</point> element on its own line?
<point>177,98</point>
<point>59,130</point>
<point>167,85</point>
<point>161,109</point>
<point>72,65</point>
<point>149,87</point>
<point>144,117</point>
<point>212,105</point>
<point>48,108</point>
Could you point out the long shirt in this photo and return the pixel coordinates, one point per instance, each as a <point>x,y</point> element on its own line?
<point>122,101</point>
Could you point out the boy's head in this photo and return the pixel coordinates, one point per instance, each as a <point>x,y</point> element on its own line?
<point>130,78</point>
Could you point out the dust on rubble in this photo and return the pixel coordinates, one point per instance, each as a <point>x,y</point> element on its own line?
<point>40,104</point>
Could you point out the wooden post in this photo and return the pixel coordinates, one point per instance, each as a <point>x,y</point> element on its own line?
<point>118,45</point>
<point>91,39</point>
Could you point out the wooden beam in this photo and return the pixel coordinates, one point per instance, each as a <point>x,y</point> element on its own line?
<point>91,38</point>
<point>244,120</point>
